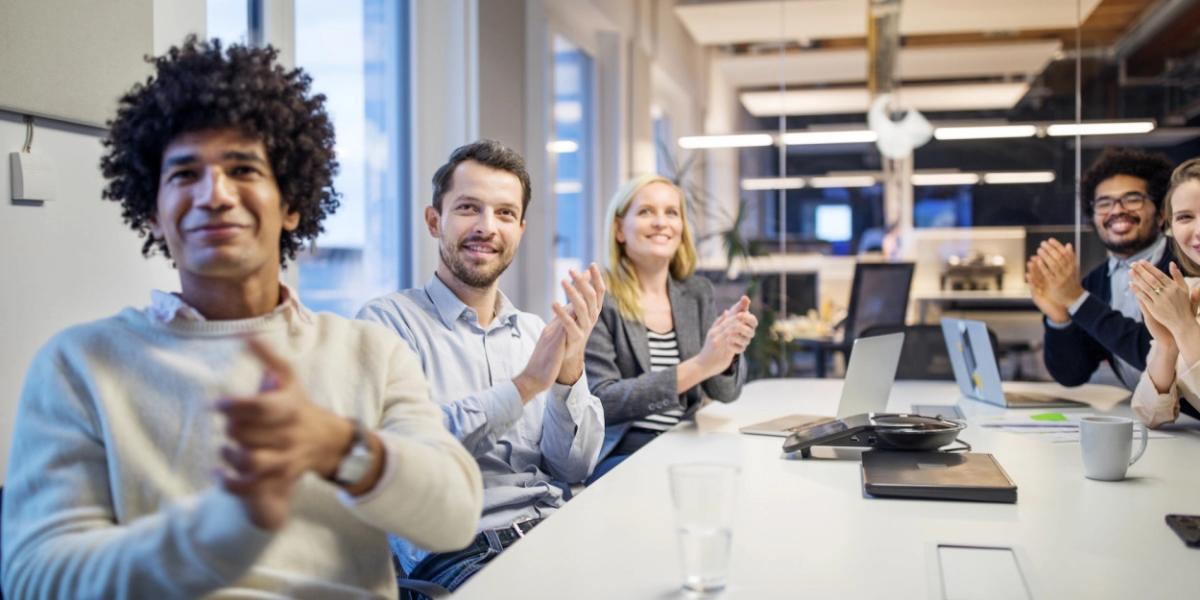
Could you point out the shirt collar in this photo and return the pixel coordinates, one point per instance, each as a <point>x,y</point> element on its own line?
<point>168,306</point>
<point>451,309</point>
<point>1152,253</point>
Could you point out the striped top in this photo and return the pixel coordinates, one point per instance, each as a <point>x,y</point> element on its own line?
<point>664,352</point>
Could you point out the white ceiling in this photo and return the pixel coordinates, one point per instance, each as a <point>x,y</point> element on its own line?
<point>913,64</point>
<point>757,21</point>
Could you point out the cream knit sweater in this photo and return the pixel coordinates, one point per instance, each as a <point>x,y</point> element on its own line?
<point>111,493</point>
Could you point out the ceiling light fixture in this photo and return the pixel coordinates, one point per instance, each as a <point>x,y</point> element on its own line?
<point>813,138</point>
<point>1018,177</point>
<point>842,181</point>
<point>986,132</point>
<point>772,183</point>
<point>1110,128</point>
<point>923,179</point>
<point>562,147</point>
<point>743,140</point>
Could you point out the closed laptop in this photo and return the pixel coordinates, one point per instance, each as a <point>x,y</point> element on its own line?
<point>936,476</point>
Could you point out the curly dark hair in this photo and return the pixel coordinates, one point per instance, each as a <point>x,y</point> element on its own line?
<point>489,153</point>
<point>1155,169</point>
<point>200,86</point>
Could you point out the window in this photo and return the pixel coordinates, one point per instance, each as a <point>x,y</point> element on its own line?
<point>228,20</point>
<point>571,157</point>
<point>363,74</point>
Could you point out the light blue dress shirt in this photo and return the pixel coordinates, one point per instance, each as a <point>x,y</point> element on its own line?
<point>528,454</point>
<point>1123,299</point>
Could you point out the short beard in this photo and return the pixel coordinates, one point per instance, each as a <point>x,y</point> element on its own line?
<point>465,274</point>
<point>1132,246</point>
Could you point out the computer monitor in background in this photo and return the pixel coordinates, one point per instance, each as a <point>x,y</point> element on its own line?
<point>1091,251</point>
<point>834,222</point>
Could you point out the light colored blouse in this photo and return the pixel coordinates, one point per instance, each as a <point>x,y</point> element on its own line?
<point>1155,409</point>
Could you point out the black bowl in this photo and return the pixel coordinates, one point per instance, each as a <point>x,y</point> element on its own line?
<point>915,432</point>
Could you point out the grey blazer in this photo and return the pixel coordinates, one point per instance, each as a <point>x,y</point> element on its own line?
<point>618,362</point>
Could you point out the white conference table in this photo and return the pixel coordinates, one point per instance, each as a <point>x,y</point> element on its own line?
<point>804,529</point>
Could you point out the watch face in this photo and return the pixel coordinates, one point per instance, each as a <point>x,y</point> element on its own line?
<point>355,465</point>
<point>357,462</point>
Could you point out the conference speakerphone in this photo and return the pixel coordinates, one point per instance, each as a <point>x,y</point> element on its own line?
<point>888,431</point>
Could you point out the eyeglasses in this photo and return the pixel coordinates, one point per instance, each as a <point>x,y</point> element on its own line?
<point>1131,201</point>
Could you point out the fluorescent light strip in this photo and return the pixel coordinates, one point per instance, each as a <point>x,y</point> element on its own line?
<point>1122,128</point>
<point>923,179</point>
<point>568,187</point>
<point>842,181</point>
<point>813,138</point>
<point>1019,177</point>
<point>562,147</point>
<point>772,183</point>
<point>743,140</point>
<point>985,132</point>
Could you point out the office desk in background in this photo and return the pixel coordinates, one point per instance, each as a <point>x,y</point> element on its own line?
<point>803,528</point>
<point>971,300</point>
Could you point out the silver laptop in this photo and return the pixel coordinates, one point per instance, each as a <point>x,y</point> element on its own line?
<point>869,378</point>
<point>976,371</point>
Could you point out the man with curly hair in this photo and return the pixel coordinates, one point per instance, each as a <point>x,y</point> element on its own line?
<point>225,437</point>
<point>1098,319</point>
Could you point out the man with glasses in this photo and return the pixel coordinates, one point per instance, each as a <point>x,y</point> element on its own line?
<point>1098,319</point>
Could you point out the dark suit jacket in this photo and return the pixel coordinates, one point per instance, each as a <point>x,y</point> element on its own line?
<point>618,362</point>
<point>1098,333</point>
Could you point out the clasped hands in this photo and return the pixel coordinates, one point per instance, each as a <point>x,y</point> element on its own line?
<point>1168,306</point>
<point>1053,278</point>
<point>275,436</point>
<point>558,354</point>
<point>729,336</point>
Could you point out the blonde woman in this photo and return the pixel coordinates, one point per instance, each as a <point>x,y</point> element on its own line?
<point>1171,381</point>
<point>660,345</point>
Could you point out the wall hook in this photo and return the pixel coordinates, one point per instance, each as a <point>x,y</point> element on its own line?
<point>28,147</point>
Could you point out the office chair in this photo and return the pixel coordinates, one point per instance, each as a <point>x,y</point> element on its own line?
<point>924,354</point>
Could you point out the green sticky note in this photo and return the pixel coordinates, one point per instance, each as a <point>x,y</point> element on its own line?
<point>1049,417</point>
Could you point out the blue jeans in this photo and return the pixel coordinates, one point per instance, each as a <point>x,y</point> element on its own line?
<point>452,569</point>
<point>631,442</point>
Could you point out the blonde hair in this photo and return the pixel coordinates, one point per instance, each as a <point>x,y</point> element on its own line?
<point>1188,171</point>
<point>619,272</point>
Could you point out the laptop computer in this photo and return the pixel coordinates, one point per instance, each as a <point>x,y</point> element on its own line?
<point>936,476</point>
<point>977,373</point>
<point>868,382</point>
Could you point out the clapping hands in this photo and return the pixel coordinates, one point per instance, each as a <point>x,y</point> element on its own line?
<point>728,336</point>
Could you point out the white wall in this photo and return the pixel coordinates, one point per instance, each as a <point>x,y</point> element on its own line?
<point>64,262</point>
<point>73,259</point>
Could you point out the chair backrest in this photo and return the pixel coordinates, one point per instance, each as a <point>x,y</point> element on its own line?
<point>878,296</point>
<point>924,355</point>
<point>801,291</point>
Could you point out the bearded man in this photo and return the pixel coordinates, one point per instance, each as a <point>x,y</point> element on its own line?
<point>1099,320</point>
<point>511,388</point>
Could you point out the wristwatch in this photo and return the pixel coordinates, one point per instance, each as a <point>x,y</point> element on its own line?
<point>357,462</point>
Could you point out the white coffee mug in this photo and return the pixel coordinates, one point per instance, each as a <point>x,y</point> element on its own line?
<point>1106,443</point>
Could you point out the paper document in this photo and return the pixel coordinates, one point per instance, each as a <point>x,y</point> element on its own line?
<point>1039,420</point>
<point>1053,427</point>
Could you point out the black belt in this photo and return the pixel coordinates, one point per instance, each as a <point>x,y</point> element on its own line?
<point>506,535</point>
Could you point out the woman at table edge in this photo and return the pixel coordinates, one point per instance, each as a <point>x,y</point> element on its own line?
<point>1169,305</point>
<point>660,345</point>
